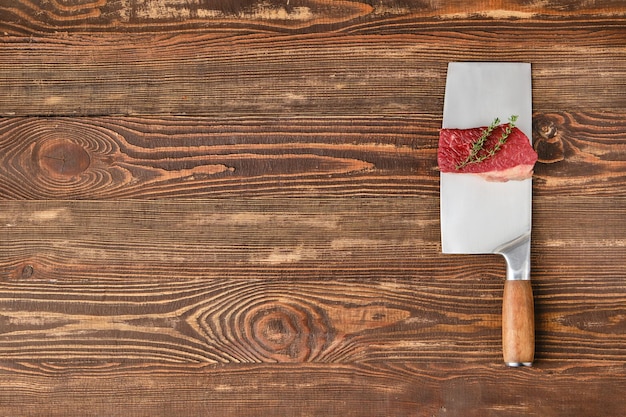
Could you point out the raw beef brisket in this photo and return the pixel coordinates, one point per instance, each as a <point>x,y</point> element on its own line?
<point>513,161</point>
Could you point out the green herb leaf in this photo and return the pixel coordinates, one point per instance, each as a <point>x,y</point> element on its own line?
<point>479,144</point>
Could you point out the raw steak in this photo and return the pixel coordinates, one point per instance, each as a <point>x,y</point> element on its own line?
<point>513,161</point>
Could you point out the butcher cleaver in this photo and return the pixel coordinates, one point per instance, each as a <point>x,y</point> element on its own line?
<point>479,216</point>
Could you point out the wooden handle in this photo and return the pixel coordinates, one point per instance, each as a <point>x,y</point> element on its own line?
<point>518,323</point>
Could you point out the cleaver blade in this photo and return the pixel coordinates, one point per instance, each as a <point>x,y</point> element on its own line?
<point>479,216</point>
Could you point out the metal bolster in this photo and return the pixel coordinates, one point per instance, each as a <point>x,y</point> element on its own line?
<point>517,256</point>
<point>518,364</point>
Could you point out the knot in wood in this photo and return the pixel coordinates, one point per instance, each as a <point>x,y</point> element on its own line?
<point>27,271</point>
<point>22,271</point>
<point>276,329</point>
<point>62,158</point>
<point>285,332</point>
<point>544,127</point>
<point>547,140</point>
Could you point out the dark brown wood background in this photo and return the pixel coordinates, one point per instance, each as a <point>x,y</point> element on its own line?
<point>230,207</point>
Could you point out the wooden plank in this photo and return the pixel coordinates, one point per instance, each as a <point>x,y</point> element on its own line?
<point>404,318</point>
<point>154,157</point>
<point>313,75</point>
<point>162,16</point>
<point>167,157</point>
<point>443,388</point>
<point>293,280</point>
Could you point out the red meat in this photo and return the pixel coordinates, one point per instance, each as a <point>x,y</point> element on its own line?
<point>513,161</point>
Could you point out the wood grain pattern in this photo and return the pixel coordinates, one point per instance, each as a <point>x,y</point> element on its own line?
<point>351,74</point>
<point>21,16</point>
<point>185,294</point>
<point>440,389</point>
<point>151,157</point>
<point>182,157</point>
<point>284,280</point>
<point>411,391</point>
<point>231,208</point>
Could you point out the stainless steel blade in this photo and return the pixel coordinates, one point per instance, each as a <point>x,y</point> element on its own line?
<point>478,216</point>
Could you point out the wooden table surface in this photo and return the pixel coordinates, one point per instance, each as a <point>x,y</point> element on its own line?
<point>230,208</point>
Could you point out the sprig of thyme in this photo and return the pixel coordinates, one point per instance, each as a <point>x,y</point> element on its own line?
<point>479,144</point>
